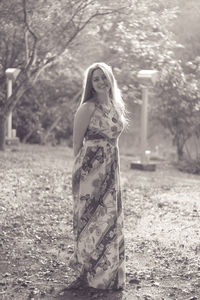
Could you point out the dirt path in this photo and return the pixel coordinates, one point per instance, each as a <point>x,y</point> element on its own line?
<point>162,227</point>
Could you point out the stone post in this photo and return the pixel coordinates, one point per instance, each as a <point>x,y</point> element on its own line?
<point>9,119</point>
<point>11,74</point>
<point>147,78</point>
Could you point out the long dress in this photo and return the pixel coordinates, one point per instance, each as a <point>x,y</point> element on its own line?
<point>98,211</point>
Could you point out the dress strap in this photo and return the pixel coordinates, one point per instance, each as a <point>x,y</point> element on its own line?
<point>103,109</point>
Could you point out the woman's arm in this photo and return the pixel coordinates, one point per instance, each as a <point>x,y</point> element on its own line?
<point>81,122</point>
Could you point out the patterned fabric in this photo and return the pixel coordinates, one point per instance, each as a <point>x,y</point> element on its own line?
<point>98,215</point>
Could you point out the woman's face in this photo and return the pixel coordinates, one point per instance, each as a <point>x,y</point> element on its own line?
<point>100,82</point>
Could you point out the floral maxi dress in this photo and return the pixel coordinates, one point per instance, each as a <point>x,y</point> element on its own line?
<point>98,214</point>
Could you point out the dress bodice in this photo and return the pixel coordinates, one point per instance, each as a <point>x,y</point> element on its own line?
<point>104,124</point>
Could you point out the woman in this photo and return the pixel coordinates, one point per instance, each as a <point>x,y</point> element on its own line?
<point>98,216</point>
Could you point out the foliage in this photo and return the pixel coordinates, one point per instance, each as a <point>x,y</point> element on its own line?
<point>178,106</point>
<point>186,29</point>
<point>27,115</point>
<point>44,104</point>
<point>189,166</point>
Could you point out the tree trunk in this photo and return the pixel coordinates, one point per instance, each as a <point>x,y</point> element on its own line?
<point>2,133</point>
<point>180,153</point>
<point>29,134</point>
<point>50,129</point>
<point>180,145</point>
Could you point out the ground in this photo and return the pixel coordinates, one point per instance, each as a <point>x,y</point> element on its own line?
<point>162,227</point>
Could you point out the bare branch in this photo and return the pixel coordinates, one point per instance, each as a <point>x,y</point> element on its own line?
<point>5,56</point>
<point>28,29</point>
<point>80,28</point>
<point>81,6</point>
<point>35,74</point>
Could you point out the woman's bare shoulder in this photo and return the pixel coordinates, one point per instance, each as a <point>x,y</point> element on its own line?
<point>88,106</point>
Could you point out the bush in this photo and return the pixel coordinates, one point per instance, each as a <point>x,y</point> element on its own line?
<point>190,166</point>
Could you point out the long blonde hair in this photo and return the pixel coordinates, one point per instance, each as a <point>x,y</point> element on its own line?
<point>115,93</point>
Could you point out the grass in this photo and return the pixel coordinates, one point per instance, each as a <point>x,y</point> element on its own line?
<point>162,217</point>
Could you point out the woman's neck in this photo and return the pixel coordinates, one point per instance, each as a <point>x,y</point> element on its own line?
<point>103,99</point>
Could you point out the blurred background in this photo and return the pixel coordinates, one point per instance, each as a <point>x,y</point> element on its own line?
<point>53,42</point>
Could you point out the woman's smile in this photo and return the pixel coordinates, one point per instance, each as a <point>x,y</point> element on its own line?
<point>103,86</point>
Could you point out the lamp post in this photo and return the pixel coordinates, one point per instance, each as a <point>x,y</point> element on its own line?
<point>147,78</point>
<point>11,74</point>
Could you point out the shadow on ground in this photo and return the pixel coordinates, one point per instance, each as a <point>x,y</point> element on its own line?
<point>88,294</point>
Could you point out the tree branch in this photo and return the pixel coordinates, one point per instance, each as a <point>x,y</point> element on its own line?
<point>35,74</point>
<point>25,85</point>
<point>27,27</point>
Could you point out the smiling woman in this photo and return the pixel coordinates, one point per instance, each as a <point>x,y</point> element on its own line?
<point>98,214</point>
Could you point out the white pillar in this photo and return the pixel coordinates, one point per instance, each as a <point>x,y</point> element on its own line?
<point>144,120</point>
<point>11,74</point>
<point>9,120</point>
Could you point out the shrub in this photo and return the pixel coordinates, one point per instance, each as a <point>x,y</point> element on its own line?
<point>190,166</point>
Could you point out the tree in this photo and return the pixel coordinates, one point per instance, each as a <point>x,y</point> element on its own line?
<point>177,106</point>
<point>49,29</point>
<point>47,105</point>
